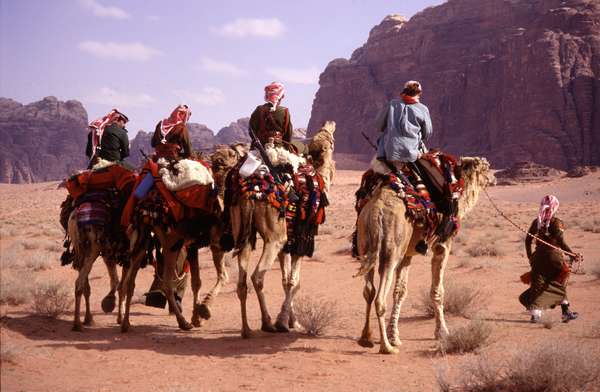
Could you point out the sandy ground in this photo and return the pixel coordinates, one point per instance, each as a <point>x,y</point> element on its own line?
<point>41,354</point>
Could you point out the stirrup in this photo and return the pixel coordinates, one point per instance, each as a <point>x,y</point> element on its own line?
<point>568,316</point>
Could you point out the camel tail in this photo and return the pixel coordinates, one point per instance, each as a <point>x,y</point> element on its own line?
<point>369,244</point>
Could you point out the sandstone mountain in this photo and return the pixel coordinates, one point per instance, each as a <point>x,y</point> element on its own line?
<point>513,80</point>
<point>235,132</point>
<point>41,141</point>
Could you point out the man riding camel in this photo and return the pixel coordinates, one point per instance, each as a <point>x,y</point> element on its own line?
<point>108,138</point>
<point>171,140</point>
<point>271,121</point>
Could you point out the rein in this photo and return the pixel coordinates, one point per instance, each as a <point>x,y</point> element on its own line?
<point>578,257</point>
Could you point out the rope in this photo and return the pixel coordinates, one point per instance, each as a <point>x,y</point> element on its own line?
<point>578,257</point>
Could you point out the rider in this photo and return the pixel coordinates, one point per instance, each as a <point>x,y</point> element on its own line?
<point>108,138</point>
<point>171,140</point>
<point>549,271</point>
<point>271,121</point>
<point>171,137</point>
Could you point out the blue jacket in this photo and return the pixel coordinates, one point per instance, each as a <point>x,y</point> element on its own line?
<point>405,127</point>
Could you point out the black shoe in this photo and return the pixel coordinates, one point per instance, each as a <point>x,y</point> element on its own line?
<point>156,299</point>
<point>568,316</point>
<point>421,247</point>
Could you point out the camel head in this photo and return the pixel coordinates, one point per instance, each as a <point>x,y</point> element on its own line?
<point>477,176</point>
<point>223,159</point>
<point>321,149</point>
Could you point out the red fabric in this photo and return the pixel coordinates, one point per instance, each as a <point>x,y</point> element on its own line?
<point>548,207</point>
<point>564,274</point>
<point>274,93</point>
<point>99,124</point>
<point>113,176</point>
<point>408,99</point>
<point>197,196</point>
<point>180,115</point>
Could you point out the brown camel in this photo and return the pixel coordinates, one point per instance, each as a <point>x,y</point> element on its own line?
<point>386,235</point>
<point>174,244</point>
<point>266,220</point>
<point>88,244</point>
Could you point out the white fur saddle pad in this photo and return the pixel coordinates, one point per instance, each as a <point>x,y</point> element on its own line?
<point>277,156</point>
<point>188,173</point>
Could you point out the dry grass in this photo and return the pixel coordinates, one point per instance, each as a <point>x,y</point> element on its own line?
<point>466,339</point>
<point>15,289</point>
<point>553,367</point>
<point>315,315</point>
<point>459,299</point>
<point>592,226</point>
<point>8,352</point>
<point>52,298</point>
<point>484,249</point>
<point>37,261</point>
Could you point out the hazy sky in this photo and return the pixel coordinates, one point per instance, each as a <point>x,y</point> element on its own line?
<point>147,56</point>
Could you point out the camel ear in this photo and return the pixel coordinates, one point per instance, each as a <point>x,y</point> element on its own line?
<point>329,126</point>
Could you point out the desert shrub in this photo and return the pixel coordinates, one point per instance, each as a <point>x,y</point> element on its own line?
<point>8,351</point>
<point>553,366</point>
<point>465,339</point>
<point>315,315</point>
<point>53,246</point>
<point>31,244</point>
<point>10,258</point>
<point>37,261</point>
<point>15,289</point>
<point>459,299</point>
<point>592,226</point>
<point>484,249</point>
<point>51,298</point>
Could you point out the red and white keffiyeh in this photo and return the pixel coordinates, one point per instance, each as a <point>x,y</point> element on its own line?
<point>99,124</point>
<point>548,207</point>
<point>274,93</point>
<point>180,115</point>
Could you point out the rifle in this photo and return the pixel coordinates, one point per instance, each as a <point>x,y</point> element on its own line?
<point>263,154</point>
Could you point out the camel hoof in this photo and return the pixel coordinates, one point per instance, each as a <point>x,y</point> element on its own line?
<point>281,327</point>
<point>119,319</point>
<point>185,326</point>
<point>197,322</point>
<point>388,350</point>
<point>268,327</point>
<point>88,321</point>
<point>396,342</point>
<point>364,342</point>
<point>247,333</point>
<point>125,326</point>
<point>108,303</point>
<point>441,334</point>
<point>203,311</point>
<point>77,328</point>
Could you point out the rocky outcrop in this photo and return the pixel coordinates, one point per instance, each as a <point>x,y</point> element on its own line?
<point>511,80</point>
<point>235,132</point>
<point>41,141</point>
<point>527,172</point>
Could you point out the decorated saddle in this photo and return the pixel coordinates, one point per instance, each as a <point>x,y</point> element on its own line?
<point>171,191</point>
<point>428,190</point>
<point>299,198</point>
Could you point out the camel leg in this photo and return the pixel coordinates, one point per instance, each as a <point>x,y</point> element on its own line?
<point>242,287</point>
<point>222,278</point>
<point>400,293</point>
<point>122,293</point>
<point>283,319</point>
<point>87,291</point>
<point>295,287</point>
<point>108,302</point>
<point>81,282</point>
<point>290,271</point>
<point>366,338</point>
<point>438,265</point>
<point>192,259</point>
<point>380,306</point>
<point>172,255</point>
<point>127,289</point>
<point>269,253</point>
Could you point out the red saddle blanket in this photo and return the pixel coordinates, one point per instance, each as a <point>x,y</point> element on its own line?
<point>115,176</point>
<point>180,204</point>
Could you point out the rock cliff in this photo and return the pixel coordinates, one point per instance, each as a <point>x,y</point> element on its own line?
<point>512,80</point>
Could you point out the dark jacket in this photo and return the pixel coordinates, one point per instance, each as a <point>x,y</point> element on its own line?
<point>114,145</point>
<point>547,261</point>
<point>267,124</point>
<point>177,143</point>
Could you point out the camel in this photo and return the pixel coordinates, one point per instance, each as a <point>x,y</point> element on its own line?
<point>88,244</point>
<point>261,216</point>
<point>174,245</point>
<point>386,235</point>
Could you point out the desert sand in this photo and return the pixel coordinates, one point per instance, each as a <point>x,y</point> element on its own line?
<point>43,354</point>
